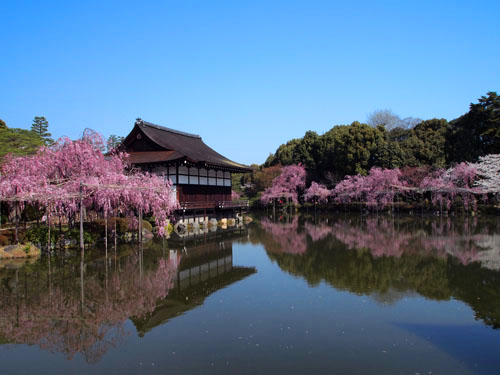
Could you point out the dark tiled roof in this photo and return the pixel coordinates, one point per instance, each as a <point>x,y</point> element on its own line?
<point>141,157</point>
<point>184,144</point>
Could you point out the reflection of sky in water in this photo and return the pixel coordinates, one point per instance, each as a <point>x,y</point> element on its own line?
<point>329,308</point>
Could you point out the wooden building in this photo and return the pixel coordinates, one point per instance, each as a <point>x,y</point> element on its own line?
<point>201,177</point>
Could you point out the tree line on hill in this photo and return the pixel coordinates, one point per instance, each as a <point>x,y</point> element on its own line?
<point>22,142</point>
<point>389,143</point>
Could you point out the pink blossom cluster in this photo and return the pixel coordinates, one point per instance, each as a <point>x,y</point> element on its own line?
<point>445,185</point>
<point>380,186</point>
<point>317,192</point>
<point>53,177</point>
<point>377,189</point>
<point>287,185</point>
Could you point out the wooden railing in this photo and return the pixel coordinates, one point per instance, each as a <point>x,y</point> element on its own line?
<point>233,204</point>
<point>212,205</point>
<point>197,205</point>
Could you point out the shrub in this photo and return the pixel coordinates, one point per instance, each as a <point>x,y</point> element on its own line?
<point>39,235</point>
<point>147,225</point>
<point>74,234</point>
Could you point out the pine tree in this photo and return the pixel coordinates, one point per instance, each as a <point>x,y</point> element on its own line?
<point>114,141</point>
<point>40,126</point>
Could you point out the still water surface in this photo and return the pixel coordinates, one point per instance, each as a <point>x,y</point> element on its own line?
<point>339,294</point>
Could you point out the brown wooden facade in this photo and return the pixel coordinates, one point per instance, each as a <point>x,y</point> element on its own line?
<point>201,177</point>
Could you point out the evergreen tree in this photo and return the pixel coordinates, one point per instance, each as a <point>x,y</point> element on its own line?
<point>40,126</point>
<point>477,133</point>
<point>3,125</point>
<point>114,141</point>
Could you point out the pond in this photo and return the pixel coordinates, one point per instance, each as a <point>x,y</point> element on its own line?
<point>293,295</point>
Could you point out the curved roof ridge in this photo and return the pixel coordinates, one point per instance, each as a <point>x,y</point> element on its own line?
<point>140,121</point>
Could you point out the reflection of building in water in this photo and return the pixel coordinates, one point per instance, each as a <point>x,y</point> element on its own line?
<point>205,233</point>
<point>206,268</point>
<point>80,308</point>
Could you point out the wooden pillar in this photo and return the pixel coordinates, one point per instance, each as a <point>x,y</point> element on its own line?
<point>16,218</point>
<point>115,230</point>
<point>48,233</point>
<point>140,226</point>
<point>50,278</point>
<point>60,229</point>
<point>81,217</point>
<point>106,235</point>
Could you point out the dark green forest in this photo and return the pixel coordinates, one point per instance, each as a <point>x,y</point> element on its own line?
<point>355,148</point>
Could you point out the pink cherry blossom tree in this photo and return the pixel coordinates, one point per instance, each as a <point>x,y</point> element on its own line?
<point>56,178</point>
<point>287,185</point>
<point>376,190</point>
<point>445,185</point>
<point>317,192</point>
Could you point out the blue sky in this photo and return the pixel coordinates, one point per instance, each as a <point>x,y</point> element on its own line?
<point>246,76</point>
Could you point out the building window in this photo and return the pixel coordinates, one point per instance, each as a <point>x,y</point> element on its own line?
<point>160,171</point>
<point>183,179</point>
<point>203,181</point>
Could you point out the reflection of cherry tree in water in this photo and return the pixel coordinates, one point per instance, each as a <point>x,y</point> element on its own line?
<point>62,319</point>
<point>290,239</point>
<point>380,237</point>
<point>392,237</point>
<point>317,231</point>
<point>286,235</point>
<point>391,259</point>
<point>383,238</point>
